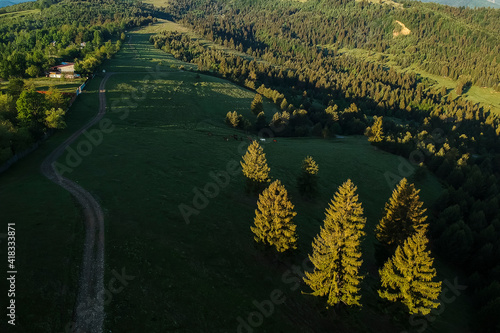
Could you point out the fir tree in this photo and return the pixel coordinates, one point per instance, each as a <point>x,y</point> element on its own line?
<point>408,275</point>
<point>307,180</point>
<point>403,216</point>
<point>375,132</point>
<point>284,104</point>
<point>254,166</point>
<point>273,219</point>
<point>233,119</point>
<point>257,106</point>
<point>261,121</point>
<point>336,250</point>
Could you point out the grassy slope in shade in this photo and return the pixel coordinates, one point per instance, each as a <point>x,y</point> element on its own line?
<point>49,232</point>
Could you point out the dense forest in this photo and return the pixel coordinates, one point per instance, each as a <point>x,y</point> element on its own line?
<point>292,58</point>
<point>47,35</point>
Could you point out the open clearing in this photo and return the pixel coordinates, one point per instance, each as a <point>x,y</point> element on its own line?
<point>196,277</point>
<point>19,14</point>
<point>44,83</point>
<point>400,29</point>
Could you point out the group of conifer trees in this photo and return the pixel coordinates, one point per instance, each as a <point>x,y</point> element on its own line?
<point>407,275</point>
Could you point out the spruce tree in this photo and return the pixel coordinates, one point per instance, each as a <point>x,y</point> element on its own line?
<point>273,219</point>
<point>254,167</point>
<point>257,105</point>
<point>233,119</point>
<point>336,250</point>
<point>307,180</point>
<point>408,275</point>
<point>403,216</point>
<point>261,121</point>
<point>375,132</point>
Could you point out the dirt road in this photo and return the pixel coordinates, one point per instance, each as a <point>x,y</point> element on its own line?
<point>88,315</point>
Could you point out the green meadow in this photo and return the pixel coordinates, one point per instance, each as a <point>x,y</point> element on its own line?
<point>49,231</point>
<point>45,83</point>
<point>202,273</point>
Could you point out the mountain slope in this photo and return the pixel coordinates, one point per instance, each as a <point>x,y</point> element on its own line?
<point>468,3</point>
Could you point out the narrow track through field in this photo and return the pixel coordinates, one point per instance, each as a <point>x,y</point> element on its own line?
<point>88,315</point>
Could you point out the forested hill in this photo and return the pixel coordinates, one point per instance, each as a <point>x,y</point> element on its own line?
<point>441,40</point>
<point>468,3</point>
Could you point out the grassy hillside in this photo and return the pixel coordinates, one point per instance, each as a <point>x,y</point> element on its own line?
<point>49,231</point>
<point>208,268</point>
<point>468,3</point>
<point>203,274</point>
<point>195,277</point>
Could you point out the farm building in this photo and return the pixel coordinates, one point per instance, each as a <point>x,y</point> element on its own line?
<point>65,69</point>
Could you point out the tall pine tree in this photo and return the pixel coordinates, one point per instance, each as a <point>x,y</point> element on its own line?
<point>375,132</point>
<point>403,216</point>
<point>273,223</point>
<point>307,180</point>
<point>336,250</point>
<point>257,105</point>
<point>254,166</point>
<point>408,275</point>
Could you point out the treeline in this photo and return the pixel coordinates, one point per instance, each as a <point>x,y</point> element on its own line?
<point>322,92</point>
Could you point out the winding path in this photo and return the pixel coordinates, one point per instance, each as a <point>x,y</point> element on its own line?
<point>88,315</point>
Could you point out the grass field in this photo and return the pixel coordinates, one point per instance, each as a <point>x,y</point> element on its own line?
<point>49,232</point>
<point>202,275</point>
<point>19,14</point>
<point>158,3</point>
<point>44,83</point>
